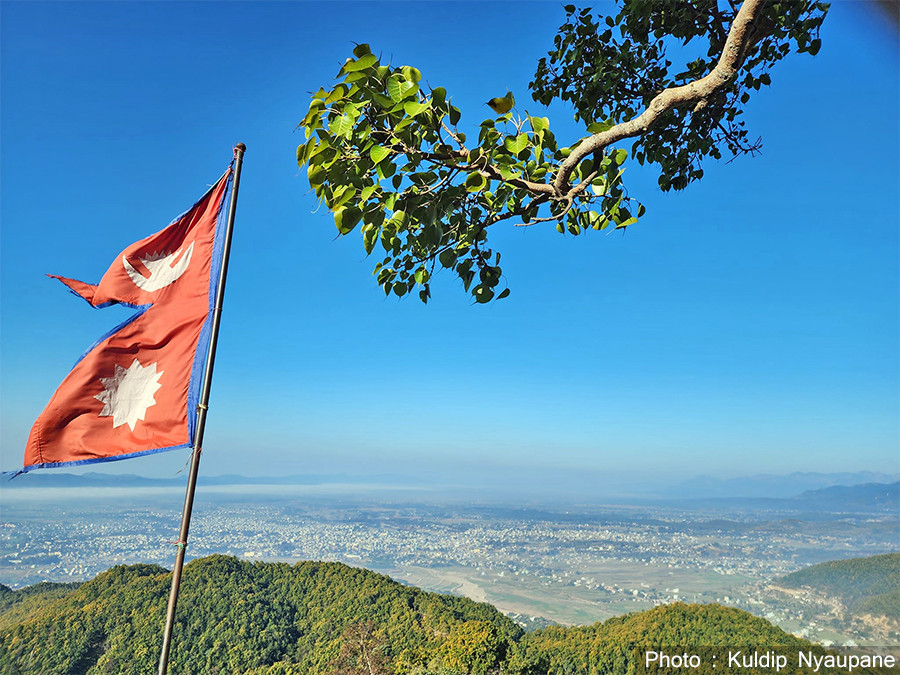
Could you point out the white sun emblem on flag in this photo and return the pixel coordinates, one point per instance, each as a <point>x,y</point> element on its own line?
<point>128,393</point>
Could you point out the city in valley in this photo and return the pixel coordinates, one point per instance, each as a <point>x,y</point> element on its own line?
<point>573,564</point>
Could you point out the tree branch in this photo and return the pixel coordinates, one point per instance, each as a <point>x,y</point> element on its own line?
<point>487,169</point>
<point>721,76</point>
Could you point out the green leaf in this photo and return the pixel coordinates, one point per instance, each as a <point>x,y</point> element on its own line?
<point>482,294</point>
<point>336,94</point>
<point>341,196</point>
<point>503,294</point>
<point>502,104</point>
<point>537,124</point>
<point>321,153</point>
<point>316,105</point>
<point>517,144</point>
<point>398,219</point>
<point>599,127</point>
<point>374,217</point>
<point>595,221</point>
<point>475,182</point>
<point>620,156</point>
<point>305,150</point>
<point>403,123</point>
<point>361,50</point>
<point>366,192</point>
<point>370,236</point>
<point>411,74</point>
<point>378,153</point>
<point>507,173</point>
<point>347,218</point>
<point>447,258</point>
<point>315,173</point>
<point>398,88</point>
<point>412,108</point>
<point>363,62</point>
<point>382,100</point>
<point>385,169</point>
<point>342,126</point>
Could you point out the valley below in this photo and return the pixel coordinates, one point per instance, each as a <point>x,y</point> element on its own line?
<point>540,564</point>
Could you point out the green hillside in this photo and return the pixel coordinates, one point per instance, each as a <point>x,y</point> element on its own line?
<point>609,647</point>
<point>865,585</point>
<point>9,597</point>
<point>325,619</point>
<point>233,617</point>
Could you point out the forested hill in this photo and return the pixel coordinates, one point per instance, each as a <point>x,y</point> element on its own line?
<point>609,647</point>
<point>322,618</point>
<point>233,617</point>
<point>46,590</point>
<point>865,585</point>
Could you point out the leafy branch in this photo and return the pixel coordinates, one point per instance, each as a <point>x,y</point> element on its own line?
<point>385,152</point>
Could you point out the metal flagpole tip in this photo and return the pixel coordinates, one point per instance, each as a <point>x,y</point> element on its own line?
<point>241,147</point>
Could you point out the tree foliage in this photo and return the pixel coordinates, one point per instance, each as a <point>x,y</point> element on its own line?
<point>362,651</point>
<point>614,646</point>
<point>233,617</point>
<point>868,585</point>
<point>329,619</point>
<point>475,647</point>
<point>388,154</point>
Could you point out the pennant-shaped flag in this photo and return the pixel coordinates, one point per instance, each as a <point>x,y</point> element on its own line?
<point>136,391</point>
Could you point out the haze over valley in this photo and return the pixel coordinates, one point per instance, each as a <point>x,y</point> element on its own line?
<point>538,562</point>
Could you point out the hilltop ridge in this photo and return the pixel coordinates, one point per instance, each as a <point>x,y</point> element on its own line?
<point>277,619</point>
<point>866,586</point>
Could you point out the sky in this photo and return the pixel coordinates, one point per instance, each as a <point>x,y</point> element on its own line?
<point>746,325</point>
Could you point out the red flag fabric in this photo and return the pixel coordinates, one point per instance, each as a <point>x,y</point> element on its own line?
<point>136,391</point>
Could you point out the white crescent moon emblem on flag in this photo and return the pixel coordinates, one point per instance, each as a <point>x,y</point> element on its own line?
<point>162,271</point>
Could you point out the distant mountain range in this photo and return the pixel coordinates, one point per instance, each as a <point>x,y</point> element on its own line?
<point>869,498</point>
<point>772,486</point>
<point>877,496</point>
<point>864,491</point>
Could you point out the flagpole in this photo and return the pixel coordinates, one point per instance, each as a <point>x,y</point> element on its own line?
<point>202,407</point>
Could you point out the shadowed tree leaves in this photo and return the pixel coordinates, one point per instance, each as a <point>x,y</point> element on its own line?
<point>612,69</point>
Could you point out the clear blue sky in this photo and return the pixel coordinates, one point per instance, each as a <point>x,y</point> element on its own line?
<point>746,325</point>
